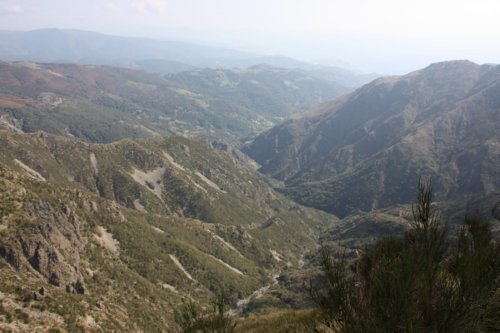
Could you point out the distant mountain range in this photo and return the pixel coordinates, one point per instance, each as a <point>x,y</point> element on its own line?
<point>103,104</point>
<point>366,150</point>
<point>83,47</point>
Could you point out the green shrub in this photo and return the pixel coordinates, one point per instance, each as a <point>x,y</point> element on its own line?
<point>427,281</point>
<point>186,316</point>
<point>190,319</point>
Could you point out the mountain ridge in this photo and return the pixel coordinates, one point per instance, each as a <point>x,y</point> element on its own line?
<point>103,104</point>
<point>419,120</point>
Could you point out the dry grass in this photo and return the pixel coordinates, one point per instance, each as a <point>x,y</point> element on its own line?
<point>279,321</point>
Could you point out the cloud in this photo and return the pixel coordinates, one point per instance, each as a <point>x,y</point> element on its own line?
<point>11,9</point>
<point>151,6</point>
<point>111,7</point>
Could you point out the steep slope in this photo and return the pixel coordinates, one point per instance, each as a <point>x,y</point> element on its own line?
<point>365,150</point>
<point>114,236</point>
<point>104,104</point>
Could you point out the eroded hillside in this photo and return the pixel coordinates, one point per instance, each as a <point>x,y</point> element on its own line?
<point>115,236</point>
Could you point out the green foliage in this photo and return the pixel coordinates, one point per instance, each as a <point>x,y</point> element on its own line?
<point>186,316</point>
<point>426,282</point>
<point>279,320</point>
<point>190,318</point>
<point>218,321</point>
<point>338,311</point>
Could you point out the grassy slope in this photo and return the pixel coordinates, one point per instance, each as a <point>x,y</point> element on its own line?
<point>125,289</point>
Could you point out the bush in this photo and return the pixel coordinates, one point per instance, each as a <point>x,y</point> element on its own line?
<point>186,316</point>
<point>426,281</point>
<point>190,319</point>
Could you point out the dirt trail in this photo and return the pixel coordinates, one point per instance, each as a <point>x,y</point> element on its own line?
<point>93,162</point>
<point>30,171</point>
<point>242,304</point>
<point>179,265</point>
<point>234,269</point>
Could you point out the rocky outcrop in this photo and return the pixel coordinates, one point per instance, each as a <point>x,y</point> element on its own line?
<point>496,211</point>
<point>50,244</point>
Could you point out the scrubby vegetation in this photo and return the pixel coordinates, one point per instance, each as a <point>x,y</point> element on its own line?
<point>190,318</point>
<point>111,253</point>
<point>427,281</point>
<point>105,104</point>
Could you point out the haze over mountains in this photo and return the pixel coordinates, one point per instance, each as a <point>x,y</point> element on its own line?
<point>83,47</point>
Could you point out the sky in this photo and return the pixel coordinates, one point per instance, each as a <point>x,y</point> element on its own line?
<point>382,36</point>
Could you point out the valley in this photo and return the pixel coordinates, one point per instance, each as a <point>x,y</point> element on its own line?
<point>130,196</point>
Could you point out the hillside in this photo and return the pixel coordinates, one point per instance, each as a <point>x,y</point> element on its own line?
<point>104,104</point>
<point>267,92</point>
<point>365,150</point>
<point>115,236</point>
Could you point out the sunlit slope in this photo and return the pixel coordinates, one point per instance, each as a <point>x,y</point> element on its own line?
<point>134,226</point>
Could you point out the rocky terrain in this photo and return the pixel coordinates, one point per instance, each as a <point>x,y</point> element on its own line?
<point>115,236</point>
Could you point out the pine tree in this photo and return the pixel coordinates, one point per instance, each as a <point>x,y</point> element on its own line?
<point>426,281</point>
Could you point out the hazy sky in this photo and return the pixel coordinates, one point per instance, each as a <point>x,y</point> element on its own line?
<point>385,36</point>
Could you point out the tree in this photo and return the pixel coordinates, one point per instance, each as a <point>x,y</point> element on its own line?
<point>190,318</point>
<point>426,281</point>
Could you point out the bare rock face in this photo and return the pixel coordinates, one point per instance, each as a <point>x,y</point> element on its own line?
<point>496,211</point>
<point>11,255</point>
<point>52,248</point>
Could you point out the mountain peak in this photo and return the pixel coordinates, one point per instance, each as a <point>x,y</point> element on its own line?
<point>449,69</point>
<point>450,64</point>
